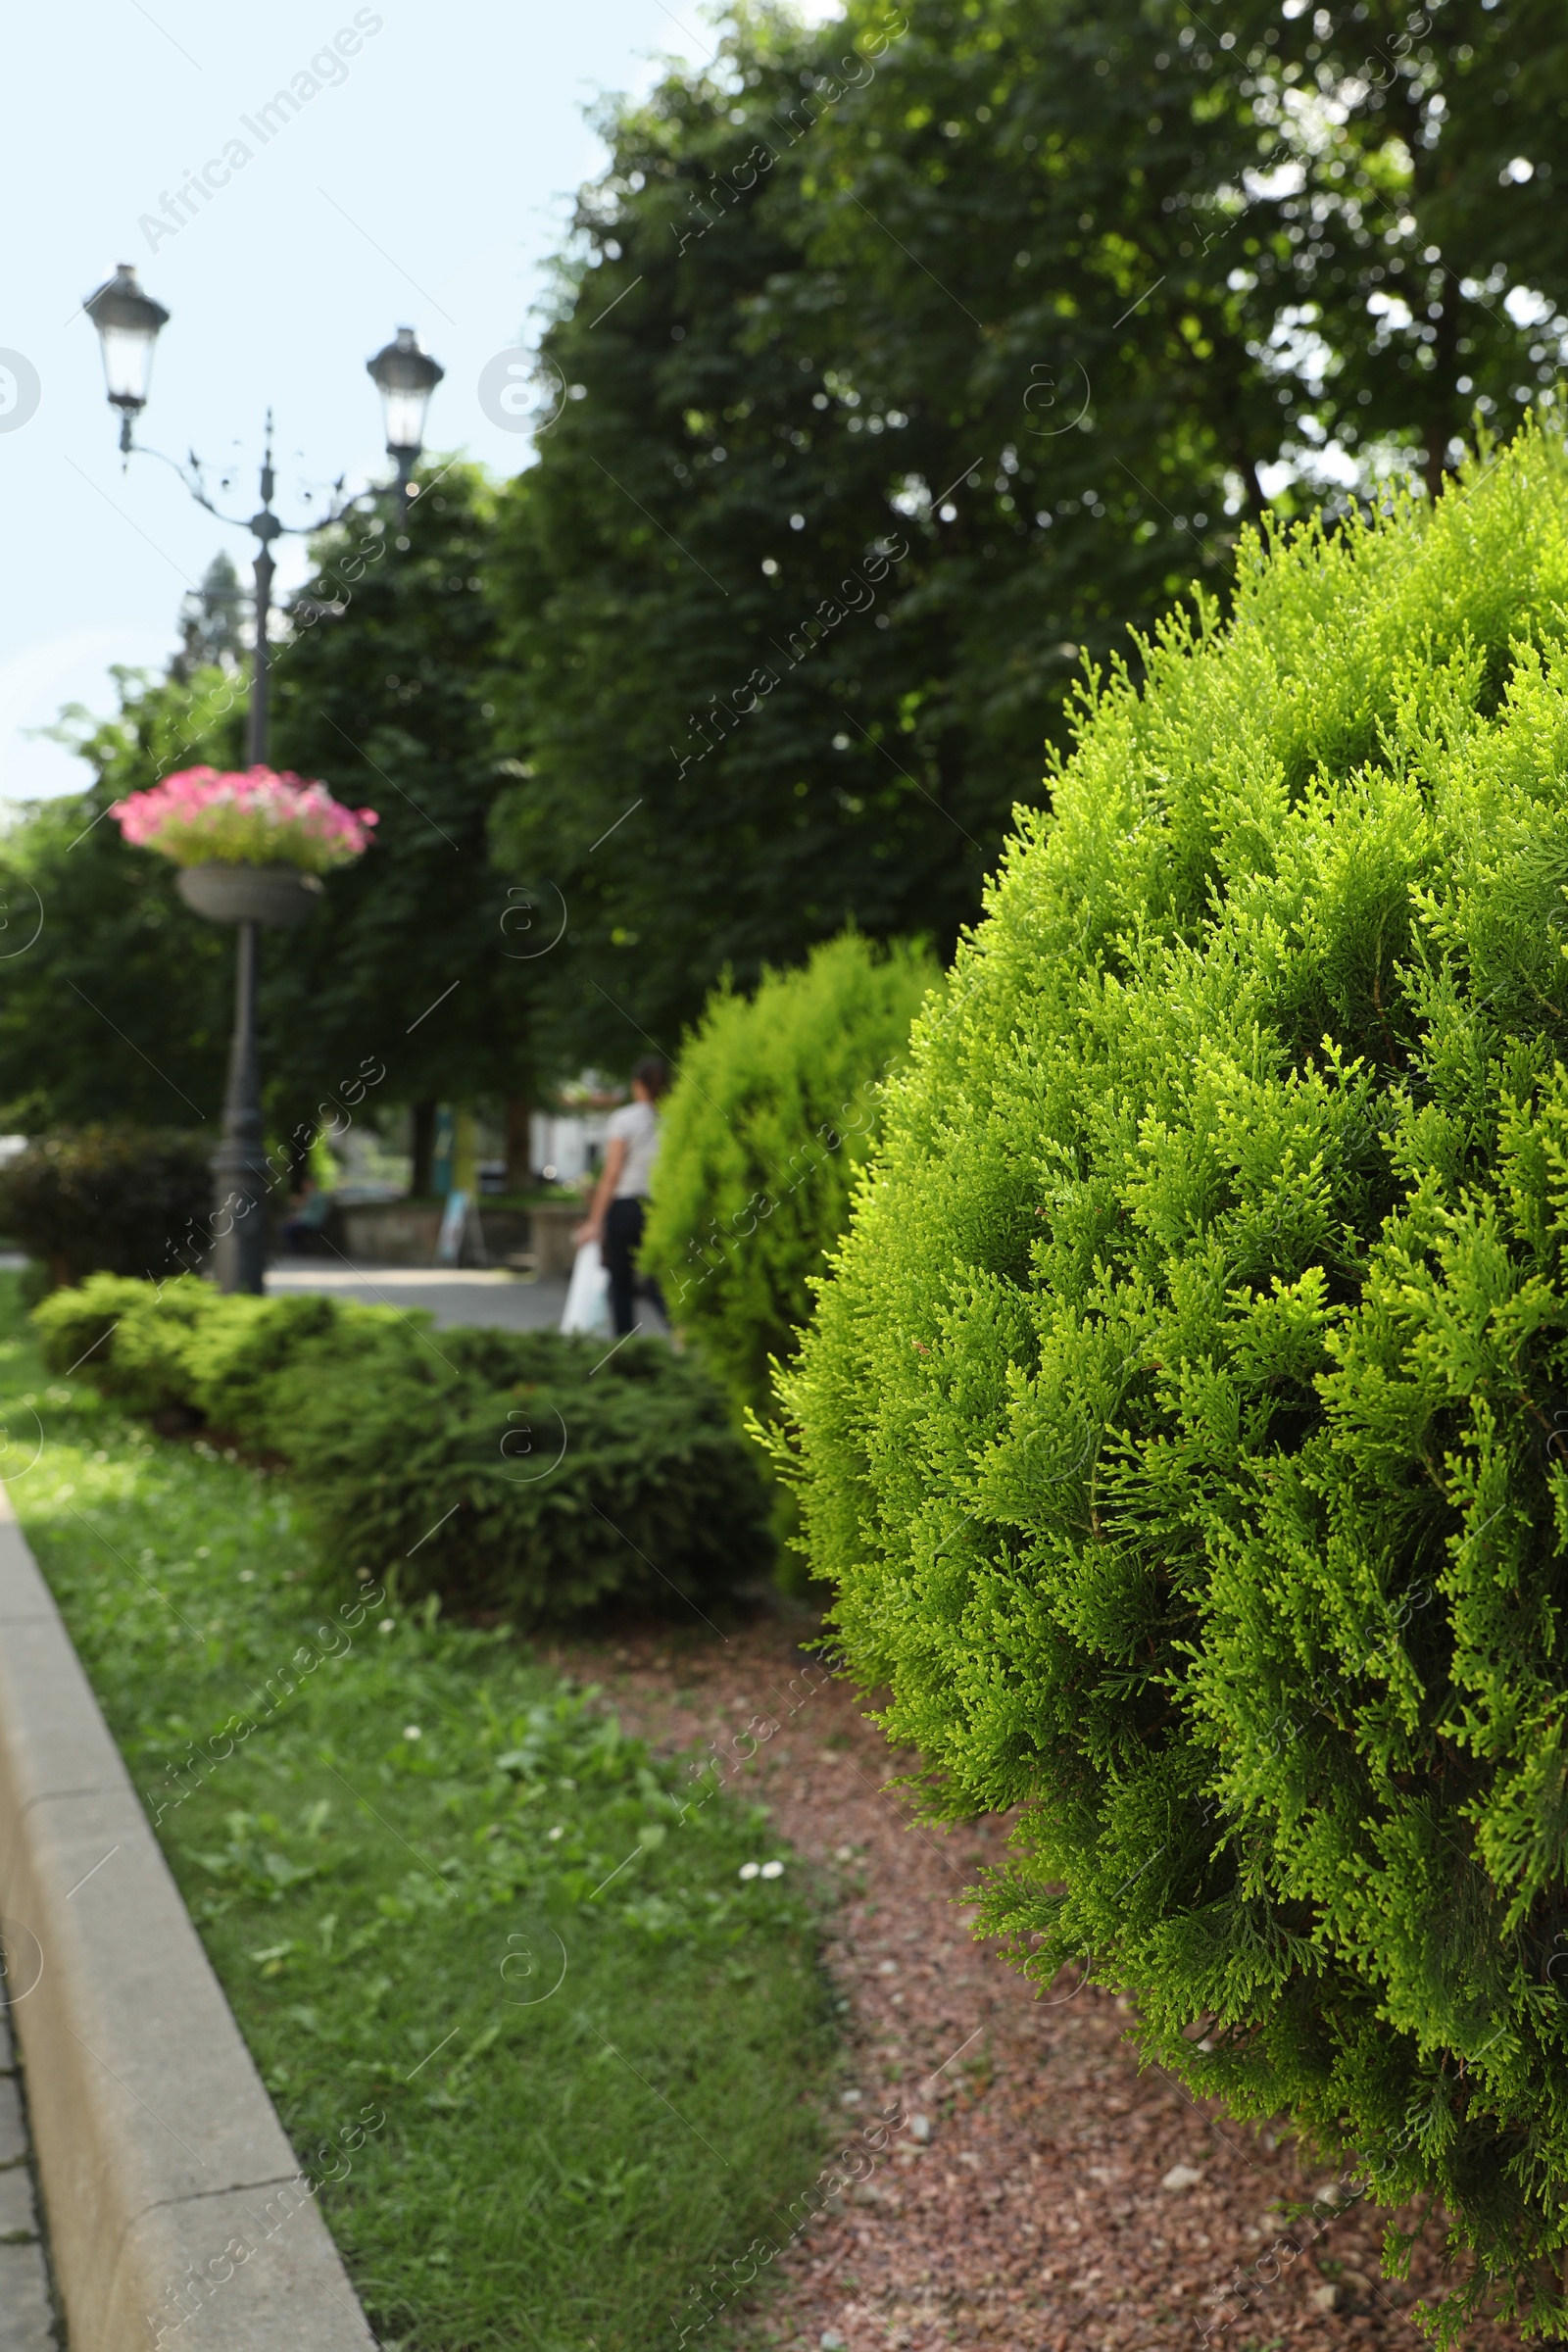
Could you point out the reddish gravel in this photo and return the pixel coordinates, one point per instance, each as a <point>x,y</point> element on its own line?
<point>1064,2201</point>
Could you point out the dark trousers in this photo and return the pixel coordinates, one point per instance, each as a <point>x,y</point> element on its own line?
<point>623,1233</point>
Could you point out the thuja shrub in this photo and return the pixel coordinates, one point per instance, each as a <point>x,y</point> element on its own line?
<point>517,1473</point>
<point>1185,1421</point>
<point>774,1110</point>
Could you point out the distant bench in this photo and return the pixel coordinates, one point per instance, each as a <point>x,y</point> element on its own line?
<point>403,1233</point>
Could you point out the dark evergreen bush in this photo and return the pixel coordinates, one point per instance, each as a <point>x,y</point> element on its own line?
<point>512,1472</point>
<point>1185,1423</point>
<point>122,1200</point>
<point>774,1110</point>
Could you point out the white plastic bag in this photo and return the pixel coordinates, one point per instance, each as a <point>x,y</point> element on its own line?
<point>587,1307</point>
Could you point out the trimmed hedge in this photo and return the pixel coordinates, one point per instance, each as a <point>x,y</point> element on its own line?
<point>1185,1423</point>
<point>515,1472</point>
<point>120,1199</point>
<point>774,1110</point>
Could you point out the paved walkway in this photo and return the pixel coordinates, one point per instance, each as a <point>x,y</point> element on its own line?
<point>27,2320</point>
<point>453,1294</point>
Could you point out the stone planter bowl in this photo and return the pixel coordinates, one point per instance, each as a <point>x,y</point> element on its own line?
<point>279,894</point>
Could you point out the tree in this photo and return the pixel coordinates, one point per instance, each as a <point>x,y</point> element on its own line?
<point>1418,269</point>
<point>905,361</point>
<point>413,956</point>
<point>211,622</point>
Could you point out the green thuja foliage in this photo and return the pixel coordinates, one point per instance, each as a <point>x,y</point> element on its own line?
<point>514,1472</point>
<point>775,1110</point>
<point>1185,1421</point>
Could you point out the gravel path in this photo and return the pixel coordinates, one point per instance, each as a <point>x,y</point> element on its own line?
<point>1064,2200</point>
<point>26,2320</point>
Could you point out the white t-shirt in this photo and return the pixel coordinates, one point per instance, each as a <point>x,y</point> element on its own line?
<point>637,1126</point>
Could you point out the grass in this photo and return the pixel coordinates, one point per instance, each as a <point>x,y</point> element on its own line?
<point>549,2052</point>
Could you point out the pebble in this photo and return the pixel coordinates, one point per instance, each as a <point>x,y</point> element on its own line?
<point>1181,2176</point>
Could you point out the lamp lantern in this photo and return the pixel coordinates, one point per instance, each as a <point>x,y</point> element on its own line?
<point>404,376</point>
<point>127,322</point>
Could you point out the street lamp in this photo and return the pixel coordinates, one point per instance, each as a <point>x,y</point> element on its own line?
<point>128,324</point>
<point>404,376</point>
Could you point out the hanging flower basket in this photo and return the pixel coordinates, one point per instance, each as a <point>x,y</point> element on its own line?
<point>256,817</point>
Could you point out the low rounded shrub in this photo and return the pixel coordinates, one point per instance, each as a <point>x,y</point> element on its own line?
<point>774,1110</point>
<point>1185,1422</point>
<point>517,1473</point>
<point>120,1199</point>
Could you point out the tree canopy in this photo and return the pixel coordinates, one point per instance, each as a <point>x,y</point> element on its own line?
<point>905,361</point>
<point>412,958</point>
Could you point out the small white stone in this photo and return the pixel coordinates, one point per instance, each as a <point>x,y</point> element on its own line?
<point>1181,2176</point>
<point>1324,2298</point>
<point>920,2128</point>
<point>831,2340</point>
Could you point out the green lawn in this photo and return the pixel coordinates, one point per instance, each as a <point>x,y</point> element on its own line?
<point>397,1849</point>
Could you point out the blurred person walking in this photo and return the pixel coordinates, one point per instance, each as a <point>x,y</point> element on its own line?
<point>618,1209</point>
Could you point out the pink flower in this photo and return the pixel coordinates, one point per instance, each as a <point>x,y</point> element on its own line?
<point>258,816</point>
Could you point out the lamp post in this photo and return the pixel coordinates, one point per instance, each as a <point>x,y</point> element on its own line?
<point>129,323</point>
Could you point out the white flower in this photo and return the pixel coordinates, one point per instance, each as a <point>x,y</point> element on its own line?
<point>747,1870</point>
<point>556,1832</point>
<point>412,1730</point>
<point>772,1870</point>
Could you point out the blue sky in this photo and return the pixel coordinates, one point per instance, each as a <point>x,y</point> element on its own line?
<point>426,185</point>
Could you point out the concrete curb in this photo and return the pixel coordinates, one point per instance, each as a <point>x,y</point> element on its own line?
<point>176,2212</point>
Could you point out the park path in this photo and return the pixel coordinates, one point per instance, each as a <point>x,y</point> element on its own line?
<point>464,1294</point>
<point>1064,2201</point>
<point>27,2320</point>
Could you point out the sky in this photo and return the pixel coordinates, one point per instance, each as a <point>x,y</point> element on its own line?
<point>424,182</point>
